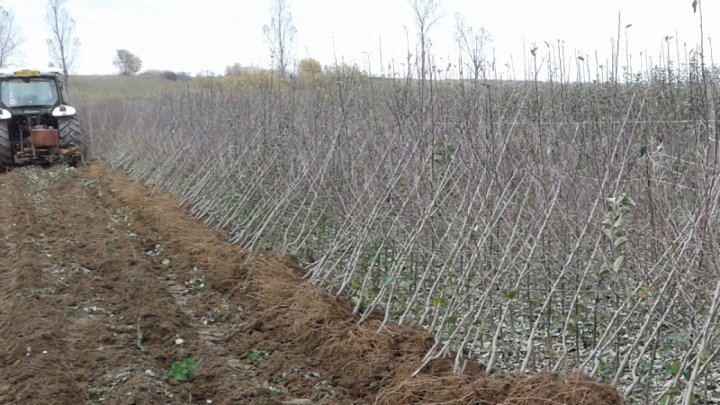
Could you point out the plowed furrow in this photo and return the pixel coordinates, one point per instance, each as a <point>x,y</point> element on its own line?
<point>36,350</point>
<point>106,286</point>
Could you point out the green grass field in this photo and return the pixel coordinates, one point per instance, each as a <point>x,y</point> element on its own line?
<point>100,87</point>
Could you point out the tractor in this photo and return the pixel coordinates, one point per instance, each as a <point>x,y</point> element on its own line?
<point>36,124</point>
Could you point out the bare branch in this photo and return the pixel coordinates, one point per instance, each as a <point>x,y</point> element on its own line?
<point>280,34</point>
<point>62,44</point>
<point>472,44</point>
<point>9,36</point>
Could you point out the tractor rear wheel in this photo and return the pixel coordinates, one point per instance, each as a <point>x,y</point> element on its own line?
<point>70,131</point>
<point>70,135</point>
<point>5,149</point>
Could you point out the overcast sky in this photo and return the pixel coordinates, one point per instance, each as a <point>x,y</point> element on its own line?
<point>193,36</point>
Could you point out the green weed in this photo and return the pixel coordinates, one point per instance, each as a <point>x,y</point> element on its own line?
<point>256,354</point>
<point>182,371</point>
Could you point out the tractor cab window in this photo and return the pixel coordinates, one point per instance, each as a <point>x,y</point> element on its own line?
<point>26,92</point>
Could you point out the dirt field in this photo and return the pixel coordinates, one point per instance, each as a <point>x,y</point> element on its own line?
<point>105,286</point>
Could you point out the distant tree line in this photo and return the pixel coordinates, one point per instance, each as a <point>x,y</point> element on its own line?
<point>307,70</point>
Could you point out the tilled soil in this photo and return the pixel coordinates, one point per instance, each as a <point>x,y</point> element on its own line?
<point>106,285</point>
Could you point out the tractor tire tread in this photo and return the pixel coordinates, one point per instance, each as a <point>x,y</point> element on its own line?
<point>5,147</point>
<point>70,131</point>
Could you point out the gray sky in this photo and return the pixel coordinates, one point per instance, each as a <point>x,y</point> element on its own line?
<point>192,36</point>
